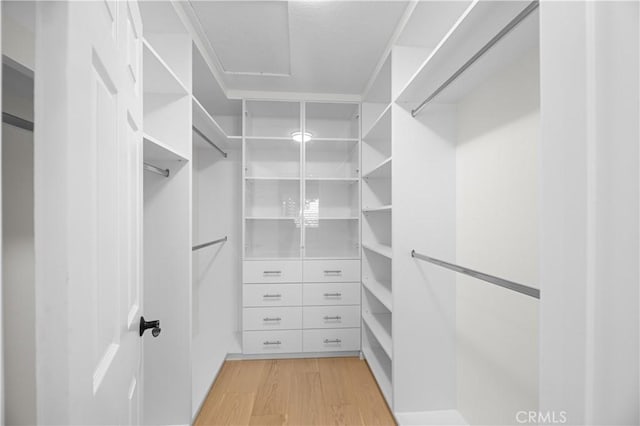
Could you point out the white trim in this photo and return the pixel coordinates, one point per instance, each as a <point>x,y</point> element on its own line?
<point>408,12</point>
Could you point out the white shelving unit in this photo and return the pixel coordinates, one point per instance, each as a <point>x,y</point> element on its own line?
<point>377,251</point>
<point>301,219</point>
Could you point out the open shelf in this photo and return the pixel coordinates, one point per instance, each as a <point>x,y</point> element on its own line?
<point>272,198</point>
<point>272,158</point>
<point>380,249</point>
<point>342,140</point>
<point>379,363</point>
<point>272,119</point>
<point>480,22</point>
<point>332,159</point>
<point>158,76</point>
<point>381,291</point>
<point>227,113</point>
<point>155,150</point>
<point>332,120</point>
<point>382,209</point>
<point>206,123</point>
<point>331,238</point>
<point>331,179</point>
<point>271,178</point>
<point>380,326</point>
<point>331,198</point>
<point>267,238</point>
<point>381,171</point>
<point>381,126</point>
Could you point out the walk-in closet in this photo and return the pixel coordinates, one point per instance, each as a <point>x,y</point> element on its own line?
<point>320,212</point>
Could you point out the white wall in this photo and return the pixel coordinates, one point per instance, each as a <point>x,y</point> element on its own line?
<point>217,291</point>
<point>589,211</point>
<point>497,233</point>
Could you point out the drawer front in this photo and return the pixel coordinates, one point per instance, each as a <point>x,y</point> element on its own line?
<point>331,294</point>
<point>331,340</point>
<point>271,318</point>
<point>270,342</point>
<point>331,317</point>
<point>260,295</point>
<point>271,271</point>
<point>331,271</point>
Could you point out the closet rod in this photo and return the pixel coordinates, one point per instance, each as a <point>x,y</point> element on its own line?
<point>157,170</point>
<point>519,288</point>
<point>503,32</point>
<point>209,141</point>
<point>14,120</point>
<point>210,243</point>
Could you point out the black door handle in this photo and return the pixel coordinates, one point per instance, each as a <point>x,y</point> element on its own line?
<point>155,325</point>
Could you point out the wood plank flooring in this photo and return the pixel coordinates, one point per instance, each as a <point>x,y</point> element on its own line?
<point>295,392</point>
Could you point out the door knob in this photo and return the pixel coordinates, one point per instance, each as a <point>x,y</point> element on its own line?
<point>154,325</point>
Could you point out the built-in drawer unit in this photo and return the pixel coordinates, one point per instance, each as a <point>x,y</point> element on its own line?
<point>271,271</point>
<point>287,318</point>
<point>323,294</point>
<point>260,295</point>
<point>331,317</point>
<point>273,341</point>
<point>331,271</point>
<point>331,340</point>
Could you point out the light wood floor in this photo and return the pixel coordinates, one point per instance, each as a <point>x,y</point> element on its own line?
<point>295,392</point>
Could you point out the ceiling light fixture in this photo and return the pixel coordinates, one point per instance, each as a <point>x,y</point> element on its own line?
<point>297,136</point>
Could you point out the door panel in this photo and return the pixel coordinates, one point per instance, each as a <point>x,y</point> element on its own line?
<point>91,134</point>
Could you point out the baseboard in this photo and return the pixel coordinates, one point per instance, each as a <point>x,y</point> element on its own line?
<point>435,417</point>
<point>236,357</point>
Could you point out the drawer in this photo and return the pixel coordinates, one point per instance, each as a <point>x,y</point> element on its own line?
<point>271,318</point>
<point>331,316</point>
<point>272,271</point>
<point>331,271</point>
<point>270,342</point>
<point>331,340</point>
<point>272,295</point>
<point>331,294</point>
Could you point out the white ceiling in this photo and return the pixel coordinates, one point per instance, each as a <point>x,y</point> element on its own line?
<point>298,46</point>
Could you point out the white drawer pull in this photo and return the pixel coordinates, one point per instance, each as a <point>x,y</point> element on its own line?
<point>332,341</point>
<point>337,318</point>
<point>275,342</point>
<point>272,319</point>
<point>332,294</point>
<point>333,272</point>
<point>272,272</point>
<point>272,296</point>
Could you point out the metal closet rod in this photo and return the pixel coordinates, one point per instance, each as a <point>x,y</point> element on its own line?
<point>209,141</point>
<point>153,169</point>
<point>501,282</point>
<point>14,120</point>
<point>210,243</point>
<point>503,32</point>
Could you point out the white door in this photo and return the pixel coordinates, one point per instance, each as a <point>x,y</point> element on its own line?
<point>88,161</point>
